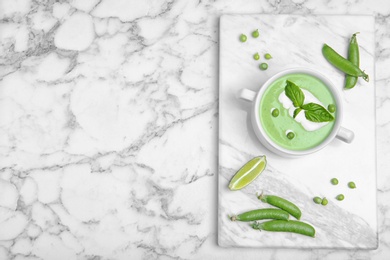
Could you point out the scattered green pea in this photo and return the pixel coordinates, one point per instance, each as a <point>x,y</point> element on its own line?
<point>352,185</point>
<point>243,37</point>
<point>256,56</point>
<point>331,108</point>
<point>263,66</point>
<point>317,200</point>
<point>324,201</point>
<point>290,135</point>
<point>340,197</point>
<point>267,56</point>
<point>334,181</point>
<point>275,112</point>
<point>255,34</point>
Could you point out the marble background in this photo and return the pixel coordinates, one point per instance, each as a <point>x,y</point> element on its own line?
<point>108,128</point>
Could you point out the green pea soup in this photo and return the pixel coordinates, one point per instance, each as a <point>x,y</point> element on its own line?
<point>277,128</point>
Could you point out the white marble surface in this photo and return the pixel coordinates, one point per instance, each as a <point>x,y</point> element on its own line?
<point>299,179</point>
<point>108,128</point>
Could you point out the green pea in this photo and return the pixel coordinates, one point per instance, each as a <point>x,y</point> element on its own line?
<point>331,108</point>
<point>243,37</point>
<point>286,226</point>
<point>324,201</point>
<point>334,181</point>
<point>256,56</point>
<point>317,200</point>
<point>267,56</point>
<point>275,112</point>
<point>340,197</point>
<point>263,66</point>
<point>290,135</point>
<point>352,185</point>
<point>255,34</point>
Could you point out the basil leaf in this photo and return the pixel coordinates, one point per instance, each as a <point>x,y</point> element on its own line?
<point>294,93</point>
<point>317,113</point>
<point>312,106</point>
<point>296,111</point>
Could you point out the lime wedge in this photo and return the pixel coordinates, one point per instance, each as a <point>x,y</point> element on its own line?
<point>248,173</point>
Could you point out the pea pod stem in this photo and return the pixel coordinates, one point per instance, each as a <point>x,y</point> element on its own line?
<point>342,64</point>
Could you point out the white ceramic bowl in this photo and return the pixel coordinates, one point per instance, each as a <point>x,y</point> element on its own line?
<point>337,132</point>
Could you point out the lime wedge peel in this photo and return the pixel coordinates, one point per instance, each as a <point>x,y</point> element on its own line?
<point>248,173</point>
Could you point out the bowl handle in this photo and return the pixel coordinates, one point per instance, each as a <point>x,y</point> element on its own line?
<point>247,94</point>
<point>345,135</point>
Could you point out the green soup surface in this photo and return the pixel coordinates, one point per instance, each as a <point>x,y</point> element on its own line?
<point>278,127</point>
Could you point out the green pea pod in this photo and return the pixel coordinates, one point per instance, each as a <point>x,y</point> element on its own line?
<point>282,204</point>
<point>342,64</point>
<point>259,214</point>
<point>286,226</point>
<point>353,57</point>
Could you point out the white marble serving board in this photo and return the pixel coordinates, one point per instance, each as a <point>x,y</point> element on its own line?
<point>296,41</point>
